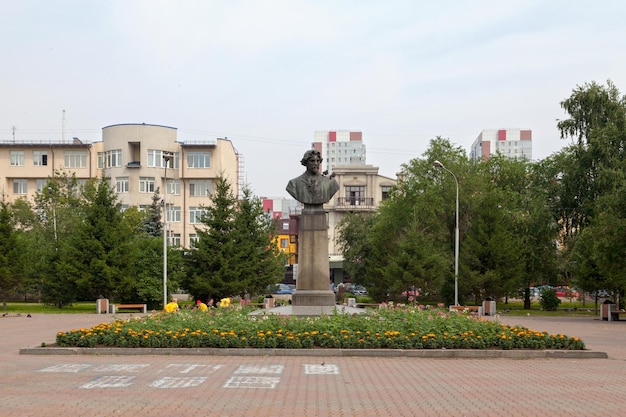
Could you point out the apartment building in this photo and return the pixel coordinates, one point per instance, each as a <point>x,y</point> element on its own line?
<point>512,143</point>
<point>339,147</point>
<point>138,159</point>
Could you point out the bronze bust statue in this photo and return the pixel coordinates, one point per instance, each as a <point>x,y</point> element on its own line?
<point>312,188</point>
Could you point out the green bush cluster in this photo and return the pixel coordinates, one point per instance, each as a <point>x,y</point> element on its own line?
<point>396,328</point>
<point>549,301</point>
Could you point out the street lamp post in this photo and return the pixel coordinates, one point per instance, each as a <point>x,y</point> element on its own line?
<point>167,157</point>
<point>456,234</point>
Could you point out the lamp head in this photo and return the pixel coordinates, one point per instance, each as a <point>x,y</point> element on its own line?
<point>438,164</point>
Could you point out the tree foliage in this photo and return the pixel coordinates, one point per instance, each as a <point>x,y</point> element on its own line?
<point>10,253</point>
<point>235,253</point>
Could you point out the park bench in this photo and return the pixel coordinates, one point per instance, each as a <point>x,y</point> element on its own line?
<point>475,309</point>
<point>116,307</point>
<point>365,305</point>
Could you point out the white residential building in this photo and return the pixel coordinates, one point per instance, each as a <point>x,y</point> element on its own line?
<point>132,156</point>
<point>339,147</point>
<point>513,143</point>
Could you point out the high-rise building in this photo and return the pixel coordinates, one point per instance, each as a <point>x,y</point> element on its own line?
<point>513,143</point>
<point>339,147</point>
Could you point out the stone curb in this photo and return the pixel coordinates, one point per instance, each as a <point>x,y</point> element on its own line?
<point>384,353</point>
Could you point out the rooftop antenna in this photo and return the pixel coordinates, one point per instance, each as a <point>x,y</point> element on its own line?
<point>13,130</point>
<point>63,128</point>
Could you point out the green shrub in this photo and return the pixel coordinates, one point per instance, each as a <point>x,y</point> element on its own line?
<point>365,299</point>
<point>549,301</point>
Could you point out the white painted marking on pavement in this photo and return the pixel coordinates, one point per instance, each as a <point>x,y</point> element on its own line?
<point>122,367</point>
<point>109,381</point>
<point>252,382</point>
<point>185,368</point>
<point>321,370</point>
<point>272,369</point>
<point>178,382</point>
<point>66,367</point>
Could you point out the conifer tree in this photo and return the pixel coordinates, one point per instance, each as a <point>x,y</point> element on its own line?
<point>234,253</point>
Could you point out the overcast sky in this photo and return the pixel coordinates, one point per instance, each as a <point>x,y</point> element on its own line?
<point>268,74</point>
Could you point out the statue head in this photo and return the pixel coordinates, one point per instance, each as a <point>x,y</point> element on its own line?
<point>312,160</point>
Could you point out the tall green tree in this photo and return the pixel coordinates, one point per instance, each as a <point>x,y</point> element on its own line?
<point>101,251</point>
<point>10,253</point>
<point>260,261</point>
<point>235,252</point>
<point>591,182</point>
<point>57,208</point>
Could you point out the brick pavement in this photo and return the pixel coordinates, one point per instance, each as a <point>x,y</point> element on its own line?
<point>166,385</point>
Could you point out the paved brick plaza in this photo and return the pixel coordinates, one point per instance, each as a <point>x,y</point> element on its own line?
<point>170,385</point>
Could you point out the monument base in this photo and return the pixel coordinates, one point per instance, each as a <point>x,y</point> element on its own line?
<point>307,298</point>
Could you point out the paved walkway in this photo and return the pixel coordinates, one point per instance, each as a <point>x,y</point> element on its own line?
<point>79,385</point>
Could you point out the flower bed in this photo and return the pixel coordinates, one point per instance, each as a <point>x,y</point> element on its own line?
<point>398,328</point>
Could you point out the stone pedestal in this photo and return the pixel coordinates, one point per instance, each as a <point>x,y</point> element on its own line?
<point>313,283</point>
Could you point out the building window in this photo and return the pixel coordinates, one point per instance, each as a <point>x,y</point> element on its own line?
<point>75,159</point>
<point>355,195</point>
<point>199,160</point>
<point>173,214</point>
<point>173,187</point>
<point>284,243</point>
<point>193,238</point>
<point>195,215</point>
<point>122,184</point>
<point>385,191</point>
<point>20,186</point>
<point>17,158</point>
<point>40,158</point>
<point>174,239</point>
<point>200,188</point>
<point>155,159</point>
<point>100,160</point>
<point>112,158</point>
<point>285,226</point>
<point>146,184</point>
<point>40,184</point>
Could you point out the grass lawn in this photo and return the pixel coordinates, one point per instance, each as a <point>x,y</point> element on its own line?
<point>566,308</point>
<point>39,308</point>
<point>512,308</point>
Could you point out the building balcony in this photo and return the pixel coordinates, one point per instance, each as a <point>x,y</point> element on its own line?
<point>133,164</point>
<point>355,203</point>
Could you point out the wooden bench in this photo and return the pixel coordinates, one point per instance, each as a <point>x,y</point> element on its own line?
<point>476,309</point>
<point>142,307</point>
<point>365,305</point>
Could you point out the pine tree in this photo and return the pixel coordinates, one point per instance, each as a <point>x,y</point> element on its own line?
<point>101,251</point>
<point>9,253</point>
<point>234,253</point>
<point>151,223</point>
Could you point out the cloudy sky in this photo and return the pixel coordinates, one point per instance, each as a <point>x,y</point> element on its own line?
<point>268,73</point>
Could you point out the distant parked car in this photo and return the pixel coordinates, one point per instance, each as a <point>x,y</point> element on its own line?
<point>565,292</point>
<point>356,289</point>
<point>281,289</point>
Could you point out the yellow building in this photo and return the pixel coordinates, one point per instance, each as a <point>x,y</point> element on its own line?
<point>138,159</point>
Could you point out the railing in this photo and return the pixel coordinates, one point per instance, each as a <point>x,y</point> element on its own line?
<point>355,202</point>
<point>207,142</point>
